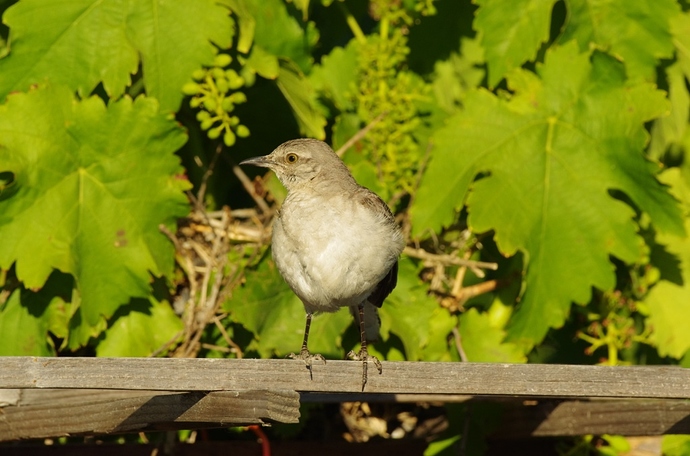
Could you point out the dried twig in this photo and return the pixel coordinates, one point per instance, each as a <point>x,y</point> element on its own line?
<point>475,290</point>
<point>167,344</point>
<point>249,187</point>
<point>207,174</point>
<point>460,275</point>
<point>458,344</point>
<point>448,259</point>
<point>235,348</point>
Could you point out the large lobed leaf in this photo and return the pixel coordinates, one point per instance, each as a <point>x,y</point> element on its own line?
<point>511,32</point>
<point>130,332</point>
<point>297,90</point>
<point>82,43</point>
<point>281,34</point>
<point>638,32</point>
<point>669,301</point>
<point>27,317</point>
<point>680,28</point>
<point>546,161</point>
<point>91,186</point>
<point>484,343</point>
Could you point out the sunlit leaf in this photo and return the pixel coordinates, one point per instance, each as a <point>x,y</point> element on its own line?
<point>548,158</point>
<point>140,328</point>
<point>484,343</point>
<point>299,93</point>
<point>91,185</point>
<point>669,301</point>
<point>638,32</point>
<point>523,25</point>
<point>85,42</point>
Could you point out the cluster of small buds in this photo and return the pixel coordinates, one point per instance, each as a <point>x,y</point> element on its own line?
<point>215,92</point>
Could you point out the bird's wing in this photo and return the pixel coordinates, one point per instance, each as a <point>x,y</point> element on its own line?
<point>384,287</point>
<point>374,202</point>
<point>387,284</point>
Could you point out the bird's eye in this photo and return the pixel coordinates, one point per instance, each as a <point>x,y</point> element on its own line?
<point>291,158</point>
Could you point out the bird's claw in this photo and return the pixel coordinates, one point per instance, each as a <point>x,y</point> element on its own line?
<point>365,357</point>
<point>308,358</point>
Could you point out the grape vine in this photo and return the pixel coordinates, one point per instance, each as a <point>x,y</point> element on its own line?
<point>388,93</point>
<point>215,92</point>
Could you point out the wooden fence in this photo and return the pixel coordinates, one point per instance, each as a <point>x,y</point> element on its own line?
<point>51,397</point>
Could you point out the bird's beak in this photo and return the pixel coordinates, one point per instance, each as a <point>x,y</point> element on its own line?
<point>264,161</point>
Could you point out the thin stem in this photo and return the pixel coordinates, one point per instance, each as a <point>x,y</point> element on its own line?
<point>249,187</point>
<point>385,26</point>
<point>352,23</point>
<point>448,259</point>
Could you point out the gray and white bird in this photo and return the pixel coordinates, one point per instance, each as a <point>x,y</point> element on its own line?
<point>335,242</point>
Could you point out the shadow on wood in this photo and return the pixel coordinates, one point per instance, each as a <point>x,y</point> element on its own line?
<point>54,413</point>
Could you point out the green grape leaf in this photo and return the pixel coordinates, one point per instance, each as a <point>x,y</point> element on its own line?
<point>302,99</point>
<point>540,167</point>
<point>336,75</point>
<point>636,32</point>
<point>302,5</point>
<point>130,330</point>
<point>668,301</point>
<point>263,63</point>
<point>91,186</point>
<point>80,333</point>
<point>24,327</point>
<point>90,41</point>
<point>247,23</point>
<point>511,32</point>
<point>484,343</point>
<point>281,34</point>
<point>267,307</point>
<point>675,445</point>
<point>409,311</point>
<point>680,28</point>
<point>28,316</point>
<point>453,78</point>
<point>669,131</point>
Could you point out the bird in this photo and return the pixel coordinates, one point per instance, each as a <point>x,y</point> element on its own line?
<point>335,242</point>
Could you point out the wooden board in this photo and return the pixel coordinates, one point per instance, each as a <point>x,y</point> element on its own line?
<point>42,413</point>
<point>631,417</point>
<point>475,379</point>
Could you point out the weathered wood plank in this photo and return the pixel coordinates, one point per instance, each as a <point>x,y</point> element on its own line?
<point>41,413</point>
<point>477,379</point>
<point>524,418</point>
<point>631,417</point>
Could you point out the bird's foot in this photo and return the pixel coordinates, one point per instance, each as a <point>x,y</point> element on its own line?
<point>365,357</point>
<point>308,358</point>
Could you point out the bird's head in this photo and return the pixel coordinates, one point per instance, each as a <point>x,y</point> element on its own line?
<point>300,161</point>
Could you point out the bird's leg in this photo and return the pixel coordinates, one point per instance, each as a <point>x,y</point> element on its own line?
<point>363,354</point>
<point>304,353</point>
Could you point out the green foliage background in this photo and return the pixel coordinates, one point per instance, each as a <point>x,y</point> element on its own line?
<point>547,136</point>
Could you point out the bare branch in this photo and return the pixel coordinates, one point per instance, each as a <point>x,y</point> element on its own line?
<point>249,187</point>
<point>447,259</point>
